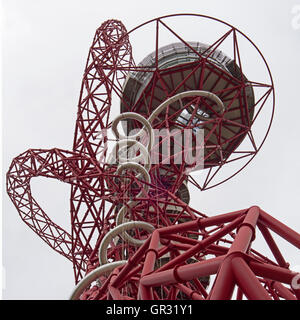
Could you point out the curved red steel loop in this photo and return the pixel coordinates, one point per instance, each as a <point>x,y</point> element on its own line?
<point>65,166</point>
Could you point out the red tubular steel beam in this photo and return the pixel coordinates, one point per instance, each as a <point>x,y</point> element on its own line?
<point>283,291</point>
<point>212,249</point>
<point>239,294</point>
<point>220,219</point>
<point>202,222</point>
<point>151,255</point>
<point>247,281</point>
<point>202,244</point>
<point>145,293</point>
<point>224,283</point>
<point>180,246</point>
<point>183,273</point>
<point>272,292</point>
<point>134,270</point>
<point>281,229</point>
<point>189,292</point>
<point>217,249</point>
<point>182,227</point>
<point>109,280</point>
<point>272,272</point>
<point>129,275</point>
<point>297,293</point>
<point>114,293</point>
<point>272,245</point>
<point>200,287</point>
<point>181,239</point>
<point>132,261</point>
<point>246,232</point>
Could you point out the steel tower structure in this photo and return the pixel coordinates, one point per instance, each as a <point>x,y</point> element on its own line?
<point>134,235</point>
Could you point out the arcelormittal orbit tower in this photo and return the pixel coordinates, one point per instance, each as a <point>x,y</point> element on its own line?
<point>149,137</point>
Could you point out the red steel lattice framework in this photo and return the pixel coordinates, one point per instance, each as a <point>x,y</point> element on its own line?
<point>133,234</point>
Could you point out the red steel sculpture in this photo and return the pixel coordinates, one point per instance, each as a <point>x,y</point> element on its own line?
<point>133,233</point>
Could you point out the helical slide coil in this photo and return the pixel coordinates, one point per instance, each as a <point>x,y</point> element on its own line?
<point>120,153</point>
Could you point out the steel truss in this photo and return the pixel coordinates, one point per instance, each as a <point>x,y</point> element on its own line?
<point>116,258</point>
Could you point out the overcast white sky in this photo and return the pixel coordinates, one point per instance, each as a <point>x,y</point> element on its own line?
<point>45,45</point>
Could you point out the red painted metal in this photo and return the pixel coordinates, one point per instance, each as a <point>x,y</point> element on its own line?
<point>186,248</point>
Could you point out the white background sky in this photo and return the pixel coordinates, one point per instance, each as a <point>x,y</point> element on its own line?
<point>45,46</point>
